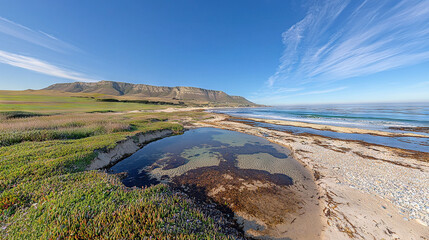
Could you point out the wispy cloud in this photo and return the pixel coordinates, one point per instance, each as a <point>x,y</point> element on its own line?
<point>321,91</point>
<point>342,39</point>
<point>40,66</point>
<point>277,96</point>
<point>287,90</point>
<point>39,38</point>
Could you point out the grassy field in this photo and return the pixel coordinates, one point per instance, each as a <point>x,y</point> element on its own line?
<point>54,102</point>
<point>45,192</point>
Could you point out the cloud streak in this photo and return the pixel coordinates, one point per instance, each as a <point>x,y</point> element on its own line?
<point>43,67</point>
<point>39,38</point>
<point>321,91</point>
<point>343,39</point>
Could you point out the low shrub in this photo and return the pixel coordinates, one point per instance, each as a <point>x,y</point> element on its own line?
<point>19,114</point>
<point>94,205</point>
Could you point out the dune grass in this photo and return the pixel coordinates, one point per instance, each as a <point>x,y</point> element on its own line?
<point>45,128</point>
<point>45,192</point>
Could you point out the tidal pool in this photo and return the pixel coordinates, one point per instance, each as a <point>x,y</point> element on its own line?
<point>257,180</point>
<point>207,147</point>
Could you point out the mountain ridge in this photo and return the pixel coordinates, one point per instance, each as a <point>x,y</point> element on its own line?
<point>149,92</point>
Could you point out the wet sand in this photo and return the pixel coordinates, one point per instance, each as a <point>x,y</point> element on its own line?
<point>338,129</point>
<point>366,191</point>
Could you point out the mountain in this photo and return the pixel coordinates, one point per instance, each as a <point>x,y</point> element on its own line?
<point>129,91</point>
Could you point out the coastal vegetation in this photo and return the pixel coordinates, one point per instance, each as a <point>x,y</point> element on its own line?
<point>59,102</point>
<point>46,193</point>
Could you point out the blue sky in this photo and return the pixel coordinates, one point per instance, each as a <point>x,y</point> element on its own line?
<point>272,52</point>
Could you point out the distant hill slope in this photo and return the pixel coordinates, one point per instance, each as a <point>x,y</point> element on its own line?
<point>148,92</point>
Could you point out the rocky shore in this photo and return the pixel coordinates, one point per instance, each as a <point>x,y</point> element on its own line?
<point>366,191</point>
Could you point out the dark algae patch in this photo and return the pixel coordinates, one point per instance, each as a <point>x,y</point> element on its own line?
<point>411,129</point>
<point>245,176</point>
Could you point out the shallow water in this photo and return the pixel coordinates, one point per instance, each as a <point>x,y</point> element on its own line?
<point>410,143</point>
<point>209,147</point>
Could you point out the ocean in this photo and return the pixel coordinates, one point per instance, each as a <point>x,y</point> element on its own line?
<point>392,117</point>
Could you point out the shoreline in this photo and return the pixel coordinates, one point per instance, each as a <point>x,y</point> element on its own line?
<point>337,128</point>
<point>414,154</point>
<point>356,203</point>
<point>352,203</point>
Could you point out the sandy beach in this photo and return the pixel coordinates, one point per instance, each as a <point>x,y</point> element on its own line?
<point>366,191</point>
<point>338,129</point>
